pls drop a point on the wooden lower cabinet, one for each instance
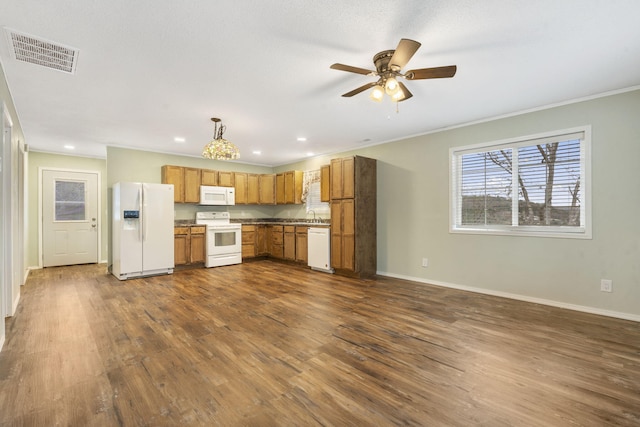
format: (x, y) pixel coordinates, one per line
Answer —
(262, 241)
(189, 244)
(343, 234)
(198, 244)
(181, 245)
(276, 242)
(289, 242)
(301, 244)
(248, 241)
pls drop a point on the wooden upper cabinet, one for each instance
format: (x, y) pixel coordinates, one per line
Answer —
(174, 175)
(293, 187)
(253, 189)
(208, 177)
(342, 178)
(191, 185)
(335, 179)
(267, 189)
(240, 180)
(226, 179)
(325, 183)
(348, 178)
(280, 189)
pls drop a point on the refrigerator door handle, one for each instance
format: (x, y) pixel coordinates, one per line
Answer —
(141, 221)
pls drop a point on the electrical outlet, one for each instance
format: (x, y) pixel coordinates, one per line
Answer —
(606, 285)
(425, 262)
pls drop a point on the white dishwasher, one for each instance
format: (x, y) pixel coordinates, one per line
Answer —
(319, 249)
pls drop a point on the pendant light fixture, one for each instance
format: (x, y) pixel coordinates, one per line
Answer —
(219, 148)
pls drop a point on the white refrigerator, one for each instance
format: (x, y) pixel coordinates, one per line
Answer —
(142, 230)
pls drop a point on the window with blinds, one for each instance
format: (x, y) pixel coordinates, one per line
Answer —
(313, 200)
(528, 186)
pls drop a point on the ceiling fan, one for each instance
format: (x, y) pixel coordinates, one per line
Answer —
(389, 65)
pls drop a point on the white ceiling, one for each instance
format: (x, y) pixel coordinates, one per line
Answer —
(149, 70)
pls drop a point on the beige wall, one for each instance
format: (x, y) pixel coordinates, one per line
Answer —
(413, 210)
(39, 160)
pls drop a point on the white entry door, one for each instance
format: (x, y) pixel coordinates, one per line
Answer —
(69, 217)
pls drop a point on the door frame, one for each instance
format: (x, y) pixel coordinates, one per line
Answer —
(41, 169)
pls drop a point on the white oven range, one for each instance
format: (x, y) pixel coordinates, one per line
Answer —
(224, 239)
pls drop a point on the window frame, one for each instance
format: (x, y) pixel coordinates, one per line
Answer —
(317, 206)
(571, 232)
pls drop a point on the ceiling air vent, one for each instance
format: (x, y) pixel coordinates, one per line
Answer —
(38, 51)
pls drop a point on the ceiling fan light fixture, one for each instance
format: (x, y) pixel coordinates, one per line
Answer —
(391, 86)
(377, 93)
(398, 96)
(219, 148)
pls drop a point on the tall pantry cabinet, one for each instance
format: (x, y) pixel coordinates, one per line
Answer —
(353, 216)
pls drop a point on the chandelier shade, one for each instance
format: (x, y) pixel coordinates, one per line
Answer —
(219, 148)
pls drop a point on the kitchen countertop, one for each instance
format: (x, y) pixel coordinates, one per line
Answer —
(264, 221)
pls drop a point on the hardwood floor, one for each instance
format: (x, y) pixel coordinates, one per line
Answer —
(262, 344)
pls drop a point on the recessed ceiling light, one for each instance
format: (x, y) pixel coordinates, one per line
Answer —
(302, 139)
(69, 147)
(257, 152)
(179, 139)
(309, 154)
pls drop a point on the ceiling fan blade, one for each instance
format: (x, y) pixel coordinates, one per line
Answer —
(351, 69)
(405, 92)
(360, 89)
(405, 50)
(431, 73)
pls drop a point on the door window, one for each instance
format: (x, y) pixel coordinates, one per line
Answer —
(70, 204)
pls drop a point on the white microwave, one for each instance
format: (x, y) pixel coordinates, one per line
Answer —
(217, 196)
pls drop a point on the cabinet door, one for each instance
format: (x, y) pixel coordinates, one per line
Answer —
(253, 189)
(225, 179)
(301, 244)
(335, 179)
(241, 187)
(348, 234)
(191, 185)
(174, 175)
(280, 200)
(342, 178)
(293, 187)
(197, 246)
(289, 240)
(289, 187)
(325, 183)
(348, 178)
(248, 241)
(336, 234)
(181, 245)
(277, 239)
(261, 240)
(208, 177)
(267, 185)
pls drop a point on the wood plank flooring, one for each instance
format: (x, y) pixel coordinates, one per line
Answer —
(263, 344)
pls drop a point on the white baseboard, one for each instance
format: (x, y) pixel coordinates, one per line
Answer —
(582, 308)
(15, 303)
